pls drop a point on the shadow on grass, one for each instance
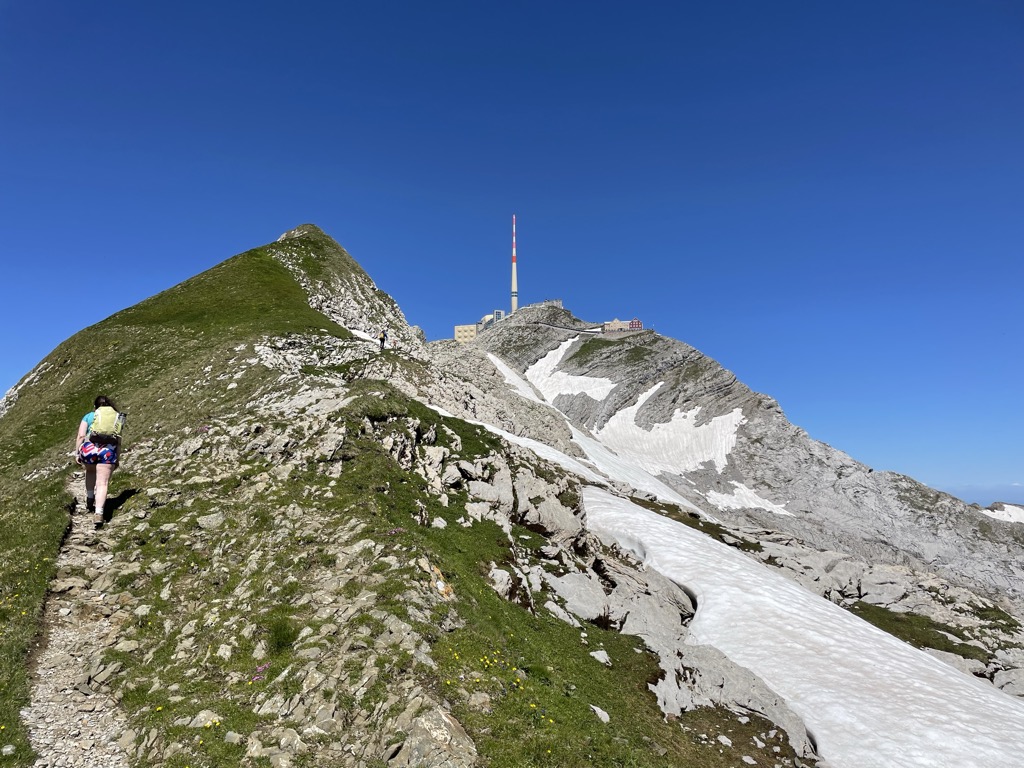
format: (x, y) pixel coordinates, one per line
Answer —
(116, 502)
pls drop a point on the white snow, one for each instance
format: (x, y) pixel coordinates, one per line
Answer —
(1009, 513)
(870, 700)
(552, 383)
(675, 446)
(744, 498)
(625, 469)
(514, 380)
(362, 334)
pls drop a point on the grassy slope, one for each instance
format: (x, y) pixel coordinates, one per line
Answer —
(143, 357)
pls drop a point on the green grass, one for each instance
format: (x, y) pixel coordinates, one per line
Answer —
(32, 526)
(147, 358)
(592, 348)
(634, 349)
(917, 630)
(996, 616)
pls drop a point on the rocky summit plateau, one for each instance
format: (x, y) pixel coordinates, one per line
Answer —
(546, 547)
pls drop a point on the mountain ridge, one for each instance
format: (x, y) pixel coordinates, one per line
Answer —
(261, 408)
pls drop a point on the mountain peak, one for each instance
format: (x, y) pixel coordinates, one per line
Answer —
(301, 231)
(337, 286)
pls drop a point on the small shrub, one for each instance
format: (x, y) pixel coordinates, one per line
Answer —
(282, 633)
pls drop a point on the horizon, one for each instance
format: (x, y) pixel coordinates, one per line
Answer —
(824, 200)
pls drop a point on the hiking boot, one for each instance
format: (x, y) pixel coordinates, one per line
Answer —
(98, 520)
(90, 505)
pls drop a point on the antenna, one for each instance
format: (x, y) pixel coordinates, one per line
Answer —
(515, 281)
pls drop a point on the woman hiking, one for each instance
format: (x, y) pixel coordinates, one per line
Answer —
(96, 449)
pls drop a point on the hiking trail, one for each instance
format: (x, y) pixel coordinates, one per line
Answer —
(73, 720)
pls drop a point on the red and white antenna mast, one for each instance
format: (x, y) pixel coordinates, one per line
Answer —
(515, 281)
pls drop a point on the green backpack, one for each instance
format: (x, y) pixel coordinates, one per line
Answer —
(107, 425)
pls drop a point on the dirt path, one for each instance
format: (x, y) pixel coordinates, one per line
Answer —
(73, 719)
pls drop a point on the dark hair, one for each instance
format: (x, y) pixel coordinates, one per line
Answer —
(102, 400)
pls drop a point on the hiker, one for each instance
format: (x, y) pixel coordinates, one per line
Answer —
(383, 337)
(96, 449)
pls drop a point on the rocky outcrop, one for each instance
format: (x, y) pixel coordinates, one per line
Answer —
(466, 383)
(339, 288)
(437, 739)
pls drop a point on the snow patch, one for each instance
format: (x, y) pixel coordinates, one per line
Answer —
(676, 446)
(514, 380)
(552, 383)
(625, 469)
(1007, 512)
(870, 700)
(744, 498)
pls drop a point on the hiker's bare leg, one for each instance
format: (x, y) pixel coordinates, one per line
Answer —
(90, 480)
(103, 473)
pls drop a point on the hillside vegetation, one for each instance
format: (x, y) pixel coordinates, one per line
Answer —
(148, 358)
(288, 584)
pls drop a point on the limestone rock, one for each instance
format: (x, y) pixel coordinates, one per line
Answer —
(203, 719)
(435, 740)
(967, 666)
(1010, 681)
(210, 522)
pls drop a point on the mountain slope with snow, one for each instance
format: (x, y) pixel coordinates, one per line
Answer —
(731, 452)
(866, 698)
(544, 547)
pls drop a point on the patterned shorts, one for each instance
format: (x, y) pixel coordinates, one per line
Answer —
(90, 453)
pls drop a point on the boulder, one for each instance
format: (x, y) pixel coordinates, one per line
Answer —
(582, 593)
(1010, 681)
(967, 666)
(435, 740)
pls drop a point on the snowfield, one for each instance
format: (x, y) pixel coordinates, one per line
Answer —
(744, 498)
(675, 446)
(1009, 513)
(868, 699)
(552, 383)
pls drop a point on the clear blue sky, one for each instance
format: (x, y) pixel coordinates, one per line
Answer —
(827, 198)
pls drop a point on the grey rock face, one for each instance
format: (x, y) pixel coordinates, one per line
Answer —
(834, 502)
(435, 740)
(1011, 681)
(467, 384)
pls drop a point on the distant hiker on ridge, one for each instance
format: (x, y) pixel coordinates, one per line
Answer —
(96, 448)
(383, 337)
